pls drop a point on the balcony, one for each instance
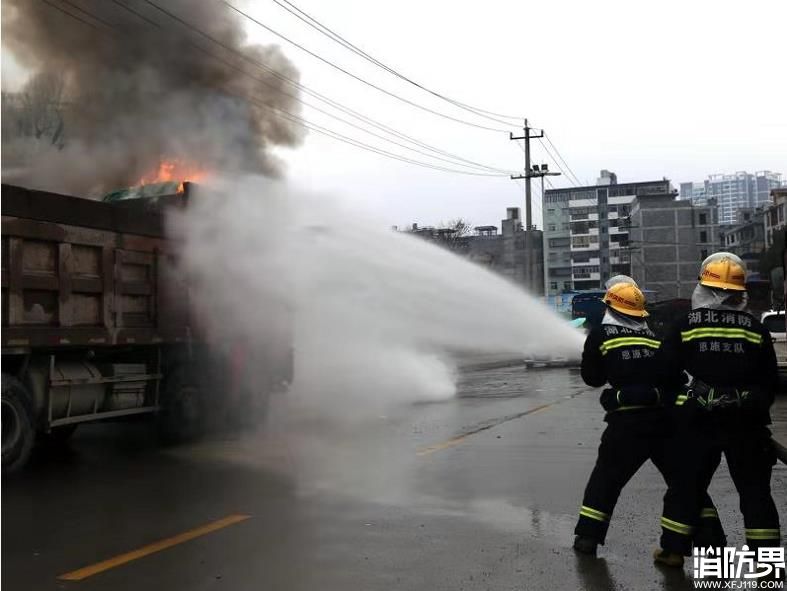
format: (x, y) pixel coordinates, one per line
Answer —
(582, 275)
(584, 247)
(583, 202)
(591, 261)
(584, 227)
(621, 199)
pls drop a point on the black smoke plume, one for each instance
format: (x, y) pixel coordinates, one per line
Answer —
(119, 86)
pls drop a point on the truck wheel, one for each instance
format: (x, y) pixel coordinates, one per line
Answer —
(182, 414)
(18, 434)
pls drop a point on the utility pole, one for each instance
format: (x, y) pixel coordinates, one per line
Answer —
(529, 174)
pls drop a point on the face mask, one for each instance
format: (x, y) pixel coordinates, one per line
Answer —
(624, 321)
(716, 299)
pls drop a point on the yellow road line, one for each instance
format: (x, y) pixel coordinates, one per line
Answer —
(425, 451)
(99, 567)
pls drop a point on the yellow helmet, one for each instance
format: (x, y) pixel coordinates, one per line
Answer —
(724, 272)
(627, 299)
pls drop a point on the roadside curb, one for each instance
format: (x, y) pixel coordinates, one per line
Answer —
(517, 363)
(493, 365)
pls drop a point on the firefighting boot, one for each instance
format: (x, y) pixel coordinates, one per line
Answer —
(585, 545)
(667, 558)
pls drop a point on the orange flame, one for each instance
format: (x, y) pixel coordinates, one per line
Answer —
(174, 170)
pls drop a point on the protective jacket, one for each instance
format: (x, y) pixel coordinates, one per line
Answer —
(730, 356)
(723, 411)
(626, 359)
(638, 402)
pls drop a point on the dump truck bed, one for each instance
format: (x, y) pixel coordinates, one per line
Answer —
(82, 272)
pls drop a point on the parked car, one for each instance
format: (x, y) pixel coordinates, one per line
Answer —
(774, 322)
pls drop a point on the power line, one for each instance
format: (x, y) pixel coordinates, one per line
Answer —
(73, 16)
(337, 38)
(294, 118)
(328, 132)
(359, 144)
(350, 74)
(570, 178)
(568, 172)
(545, 177)
(462, 161)
(336, 135)
(313, 126)
(547, 138)
(138, 14)
(88, 14)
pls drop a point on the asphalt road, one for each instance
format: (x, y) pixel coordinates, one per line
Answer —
(477, 492)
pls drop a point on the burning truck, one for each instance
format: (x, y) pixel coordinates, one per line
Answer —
(98, 323)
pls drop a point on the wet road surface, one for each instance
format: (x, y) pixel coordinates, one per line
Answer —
(477, 492)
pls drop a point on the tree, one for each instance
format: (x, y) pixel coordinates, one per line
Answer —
(42, 97)
(453, 234)
(460, 226)
(36, 111)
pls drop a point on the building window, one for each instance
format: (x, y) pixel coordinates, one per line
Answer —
(703, 219)
(550, 227)
(553, 285)
(580, 228)
(566, 286)
(550, 211)
(704, 254)
(703, 236)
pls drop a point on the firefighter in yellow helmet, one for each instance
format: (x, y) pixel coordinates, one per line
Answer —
(621, 352)
(724, 409)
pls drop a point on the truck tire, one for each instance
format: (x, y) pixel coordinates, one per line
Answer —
(183, 411)
(18, 433)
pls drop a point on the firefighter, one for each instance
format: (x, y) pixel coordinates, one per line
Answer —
(724, 409)
(622, 352)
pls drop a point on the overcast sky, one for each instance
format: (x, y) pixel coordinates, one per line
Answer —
(676, 89)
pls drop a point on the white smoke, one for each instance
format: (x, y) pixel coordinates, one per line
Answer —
(376, 314)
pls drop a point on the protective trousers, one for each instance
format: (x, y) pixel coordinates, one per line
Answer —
(750, 459)
(625, 447)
